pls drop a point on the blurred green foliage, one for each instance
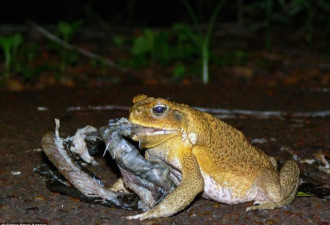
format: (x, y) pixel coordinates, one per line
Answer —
(305, 15)
(162, 47)
(9, 46)
(179, 71)
(65, 31)
(183, 47)
(187, 43)
(202, 38)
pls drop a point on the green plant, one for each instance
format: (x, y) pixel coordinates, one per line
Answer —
(203, 39)
(179, 71)
(145, 44)
(303, 194)
(152, 44)
(308, 14)
(186, 46)
(9, 47)
(30, 51)
(240, 57)
(65, 31)
(164, 46)
(156, 46)
(118, 41)
(314, 12)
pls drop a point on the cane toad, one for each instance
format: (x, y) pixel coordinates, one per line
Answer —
(206, 155)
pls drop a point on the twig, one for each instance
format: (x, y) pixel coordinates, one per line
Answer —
(98, 108)
(224, 113)
(256, 114)
(81, 51)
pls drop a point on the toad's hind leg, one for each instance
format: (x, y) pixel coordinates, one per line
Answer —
(278, 190)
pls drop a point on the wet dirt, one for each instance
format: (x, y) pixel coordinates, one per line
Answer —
(24, 196)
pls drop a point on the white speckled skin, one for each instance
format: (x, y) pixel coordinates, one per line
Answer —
(216, 192)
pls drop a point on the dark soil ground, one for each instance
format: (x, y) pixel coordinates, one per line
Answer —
(24, 197)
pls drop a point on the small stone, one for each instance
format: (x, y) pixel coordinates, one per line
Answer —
(15, 85)
(16, 173)
(39, 198)
(4, 207)
(42, 108)
(32, 210)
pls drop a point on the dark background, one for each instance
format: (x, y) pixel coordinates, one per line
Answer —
(153, 13)
(129, 12)
(268, 43)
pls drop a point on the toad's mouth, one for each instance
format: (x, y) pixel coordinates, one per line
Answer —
(147, 135)
(140, 130)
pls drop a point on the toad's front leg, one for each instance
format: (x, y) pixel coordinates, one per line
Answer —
(191, 185)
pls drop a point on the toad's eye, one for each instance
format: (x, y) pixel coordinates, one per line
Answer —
(159, 109)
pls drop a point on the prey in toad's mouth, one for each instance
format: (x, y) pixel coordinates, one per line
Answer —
(150, 181)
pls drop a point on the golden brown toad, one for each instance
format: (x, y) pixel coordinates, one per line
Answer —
(208, 156)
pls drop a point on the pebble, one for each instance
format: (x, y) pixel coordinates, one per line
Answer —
(42, 108)
(16, 173)
(39, 198)
(32, 209)
(4, 207)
